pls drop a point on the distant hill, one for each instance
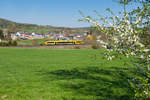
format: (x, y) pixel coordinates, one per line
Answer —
(7, 24)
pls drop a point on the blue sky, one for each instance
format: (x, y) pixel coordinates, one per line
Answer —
(54, 12)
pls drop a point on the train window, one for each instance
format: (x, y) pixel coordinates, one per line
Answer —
(50, 42)
(64, 42)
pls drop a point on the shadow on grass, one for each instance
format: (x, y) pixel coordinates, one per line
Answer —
(101, 84)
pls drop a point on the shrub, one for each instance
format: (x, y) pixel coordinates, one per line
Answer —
(9, 43)
(95, 46)
(3, 43)
(14, 43)
(77, 47)
(41, 44)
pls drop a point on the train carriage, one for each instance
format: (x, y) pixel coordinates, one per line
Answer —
(71, 42)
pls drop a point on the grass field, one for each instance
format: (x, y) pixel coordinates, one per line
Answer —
(44, 74)
(35, 42)
(37, 30)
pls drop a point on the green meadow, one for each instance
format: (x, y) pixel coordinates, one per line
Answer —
(35, 42)
(49, 74)
(37, 30)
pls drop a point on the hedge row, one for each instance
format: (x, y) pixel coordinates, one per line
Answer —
(9, 43)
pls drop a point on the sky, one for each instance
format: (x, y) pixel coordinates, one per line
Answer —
(58, 13)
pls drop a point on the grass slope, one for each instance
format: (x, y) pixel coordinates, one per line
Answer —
(44, 74)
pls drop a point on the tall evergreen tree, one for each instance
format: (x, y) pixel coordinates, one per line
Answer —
(1, 34)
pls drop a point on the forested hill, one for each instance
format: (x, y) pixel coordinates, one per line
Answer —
(7, 24)
(4, 23)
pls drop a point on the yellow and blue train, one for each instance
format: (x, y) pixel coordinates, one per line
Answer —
(63, 42)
